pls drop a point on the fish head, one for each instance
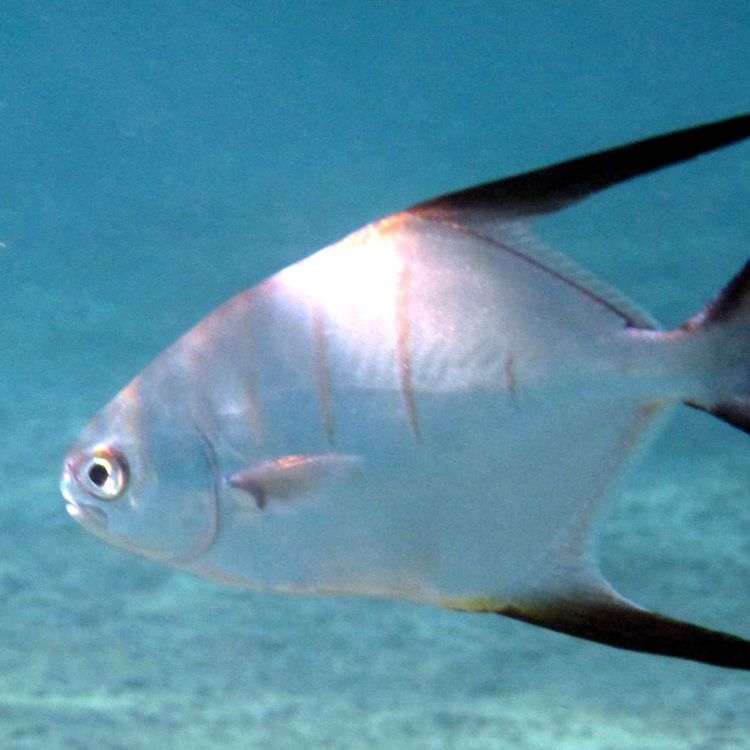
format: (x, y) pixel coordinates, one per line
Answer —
(144, 480)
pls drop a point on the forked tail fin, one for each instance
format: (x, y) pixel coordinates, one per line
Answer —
(725, 326)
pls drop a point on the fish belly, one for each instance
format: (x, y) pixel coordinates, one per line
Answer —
(472, 508)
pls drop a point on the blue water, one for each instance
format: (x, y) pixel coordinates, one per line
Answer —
(158, 157)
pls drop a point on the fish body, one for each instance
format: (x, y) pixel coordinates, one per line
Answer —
(438, 403)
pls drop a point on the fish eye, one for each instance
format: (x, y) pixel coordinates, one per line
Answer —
(105, 474)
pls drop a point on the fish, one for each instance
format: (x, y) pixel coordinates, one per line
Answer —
(433, 408)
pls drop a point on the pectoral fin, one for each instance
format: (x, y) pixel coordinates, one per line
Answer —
(288, 478)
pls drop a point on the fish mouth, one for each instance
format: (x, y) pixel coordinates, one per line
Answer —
(86, 514)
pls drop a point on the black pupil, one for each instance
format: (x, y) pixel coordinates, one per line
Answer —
(98, 474)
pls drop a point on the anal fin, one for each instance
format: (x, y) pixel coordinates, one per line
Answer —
(608, 618)
(571, 596)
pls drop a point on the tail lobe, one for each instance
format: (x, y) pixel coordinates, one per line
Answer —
(726, 321)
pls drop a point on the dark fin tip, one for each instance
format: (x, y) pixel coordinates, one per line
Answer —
(557, 186)
(252, 488)
(731, 307)
(735, 412)
(732, 299)
(260, 498)
(619, 624)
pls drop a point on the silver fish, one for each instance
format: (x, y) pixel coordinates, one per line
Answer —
(432, 409)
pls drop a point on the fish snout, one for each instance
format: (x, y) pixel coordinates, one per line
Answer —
(67, 482)
(85, 513)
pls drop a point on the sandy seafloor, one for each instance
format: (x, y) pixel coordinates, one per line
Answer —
(157, 158)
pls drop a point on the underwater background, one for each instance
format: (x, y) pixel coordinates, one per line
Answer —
(158, 157)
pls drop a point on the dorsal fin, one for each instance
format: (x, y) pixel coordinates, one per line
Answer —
(559, 185)
(515, 237)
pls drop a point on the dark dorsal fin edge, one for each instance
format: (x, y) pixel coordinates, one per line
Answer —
(559, 185)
